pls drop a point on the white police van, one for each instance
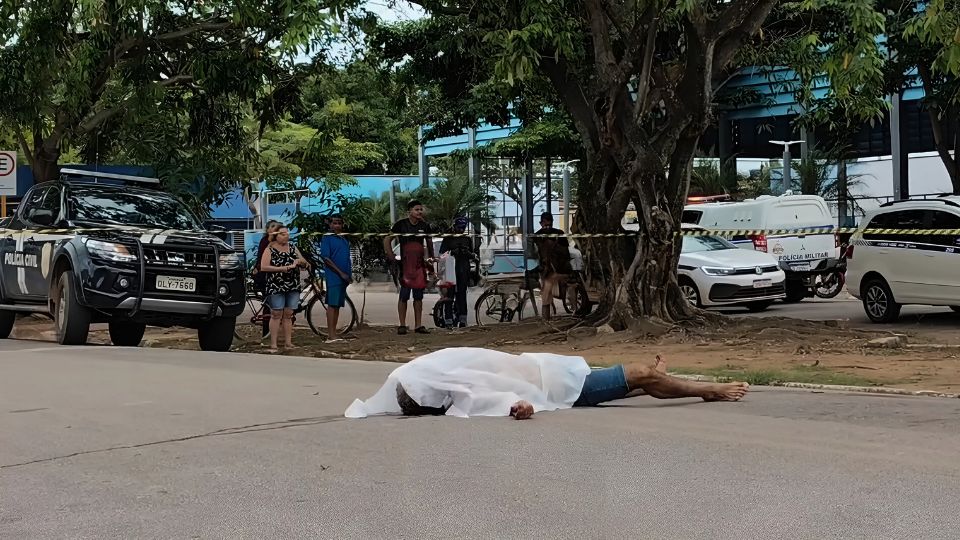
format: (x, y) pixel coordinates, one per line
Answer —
(802, 257)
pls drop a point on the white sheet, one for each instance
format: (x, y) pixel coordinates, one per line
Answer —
(480, 382)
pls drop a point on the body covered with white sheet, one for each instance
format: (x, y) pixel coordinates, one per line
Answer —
(480, 382)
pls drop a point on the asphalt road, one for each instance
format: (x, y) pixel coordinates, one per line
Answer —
(144, 443)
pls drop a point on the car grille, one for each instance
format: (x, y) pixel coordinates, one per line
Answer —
(178, 258)
(179, 261)
(722, 292)
(753, 270)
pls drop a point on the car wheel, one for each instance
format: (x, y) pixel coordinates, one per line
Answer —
(126, 333)
(689, 291)
(7, 318)
(72, 320)
(878, 302)
(217, 334)
(756, 307)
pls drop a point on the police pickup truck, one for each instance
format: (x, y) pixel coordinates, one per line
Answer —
(95, 247)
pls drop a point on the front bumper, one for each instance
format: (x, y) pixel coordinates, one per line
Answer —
(824, 266)
(732, 293)
(101, 288)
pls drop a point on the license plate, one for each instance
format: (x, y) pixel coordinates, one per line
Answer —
(762, 283)
(171, 283)
(801, 267)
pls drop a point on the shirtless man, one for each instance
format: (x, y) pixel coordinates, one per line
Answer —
(480, 382)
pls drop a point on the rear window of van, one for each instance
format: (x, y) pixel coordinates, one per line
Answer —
(691, 216)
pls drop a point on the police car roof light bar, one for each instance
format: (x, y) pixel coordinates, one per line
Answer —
(109, 176)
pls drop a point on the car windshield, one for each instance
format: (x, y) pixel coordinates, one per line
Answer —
(694, 244)
(129, 207)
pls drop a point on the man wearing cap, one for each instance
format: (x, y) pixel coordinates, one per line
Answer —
(460, 248)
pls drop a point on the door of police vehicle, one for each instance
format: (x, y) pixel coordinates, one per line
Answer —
(25, 277)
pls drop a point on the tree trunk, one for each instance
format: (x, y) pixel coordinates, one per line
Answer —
(45, 163)
(636, 273)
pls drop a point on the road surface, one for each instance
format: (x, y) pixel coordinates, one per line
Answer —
(143, 443)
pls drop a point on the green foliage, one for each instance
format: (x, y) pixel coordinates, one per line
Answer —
(78, 74)
(362, 103)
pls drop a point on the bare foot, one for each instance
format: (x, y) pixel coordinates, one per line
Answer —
(660, 366)
(726, 392)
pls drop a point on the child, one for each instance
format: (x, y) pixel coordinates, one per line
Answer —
(460, 248)
(335, 252)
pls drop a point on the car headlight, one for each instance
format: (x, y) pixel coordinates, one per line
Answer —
(716, 271)
(231, 260)
(110, 251)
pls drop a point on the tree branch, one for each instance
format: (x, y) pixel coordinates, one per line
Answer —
(643, 85)
(22, 141)
(738, 23)
(103, 115)
(606, 63)
(439, 8)
(190, 30)
(937, 114)
(571, 92)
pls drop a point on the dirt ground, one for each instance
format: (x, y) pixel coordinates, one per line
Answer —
(753, 349)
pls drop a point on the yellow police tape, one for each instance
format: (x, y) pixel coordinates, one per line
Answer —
(686, 232)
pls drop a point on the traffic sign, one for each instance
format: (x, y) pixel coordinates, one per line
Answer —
(8, 173)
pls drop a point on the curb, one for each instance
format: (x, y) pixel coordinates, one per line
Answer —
(835, 387)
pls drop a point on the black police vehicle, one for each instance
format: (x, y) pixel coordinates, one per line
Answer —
(99, 247)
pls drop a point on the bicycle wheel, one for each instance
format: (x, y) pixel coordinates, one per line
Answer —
(317, 315)
(493, 307)
(258, 329)
(438, 320)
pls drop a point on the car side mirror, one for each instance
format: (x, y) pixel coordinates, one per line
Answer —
(42, 217)
(216, 228)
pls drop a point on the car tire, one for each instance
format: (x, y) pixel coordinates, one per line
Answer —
(878, 301)
(7, 318)
(126, 333)
(762, 305)
(217, 334)
(689, 291)
(796, 292)
(71, 320)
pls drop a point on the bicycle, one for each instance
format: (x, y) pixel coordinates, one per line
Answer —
(495, 306)
(313, 300)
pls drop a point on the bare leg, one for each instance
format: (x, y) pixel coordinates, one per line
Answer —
(546, 297)
(333, 314)
(287, 328)
(275, 320)
(402, 312)
(418, 313)
(662, 386)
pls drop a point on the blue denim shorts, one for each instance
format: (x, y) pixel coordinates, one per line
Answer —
(336, 295)
(603, 385)
(288, 300)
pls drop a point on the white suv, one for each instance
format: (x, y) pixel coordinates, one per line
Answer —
(888, 269)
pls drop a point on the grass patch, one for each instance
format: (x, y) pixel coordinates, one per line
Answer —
(765, 377)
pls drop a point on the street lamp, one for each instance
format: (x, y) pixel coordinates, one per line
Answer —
(786, 161)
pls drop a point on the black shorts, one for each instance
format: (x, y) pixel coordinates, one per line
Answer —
(405, 294)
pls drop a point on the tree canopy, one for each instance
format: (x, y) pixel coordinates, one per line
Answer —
(75, 73)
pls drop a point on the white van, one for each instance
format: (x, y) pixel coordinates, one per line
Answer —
(801, 256)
